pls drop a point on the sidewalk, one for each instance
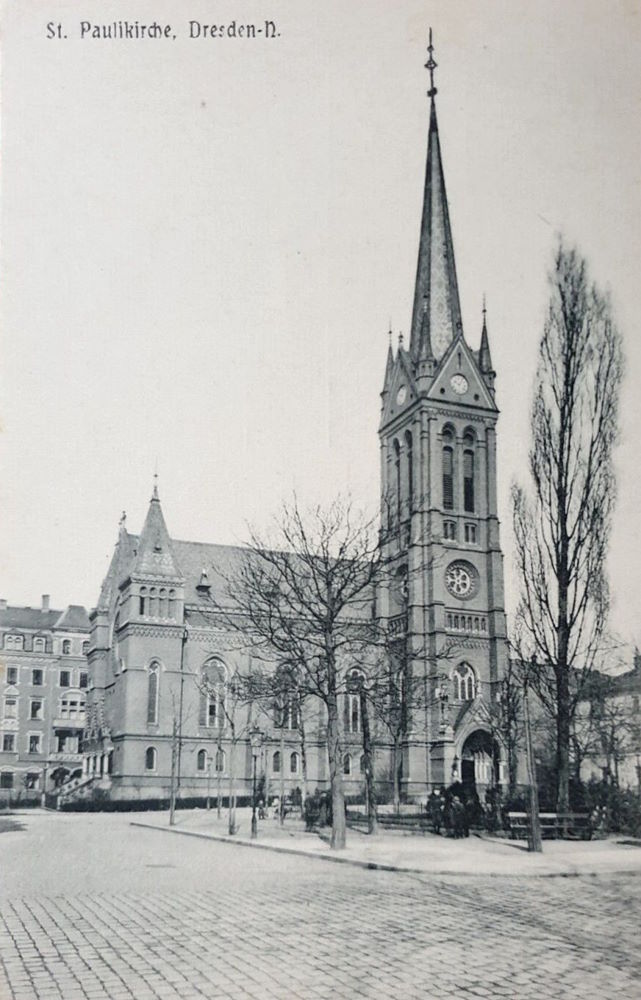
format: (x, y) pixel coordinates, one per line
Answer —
(398, 851)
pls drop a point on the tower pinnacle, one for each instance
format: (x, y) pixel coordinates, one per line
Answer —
(431, 65)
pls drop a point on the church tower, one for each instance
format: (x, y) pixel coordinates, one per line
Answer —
(443, 599)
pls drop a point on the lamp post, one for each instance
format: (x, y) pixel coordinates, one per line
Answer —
(256, 741)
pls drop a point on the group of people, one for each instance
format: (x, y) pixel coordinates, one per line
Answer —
(456, 809)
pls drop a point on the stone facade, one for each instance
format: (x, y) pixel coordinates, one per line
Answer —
(43, 681)
(156, 634)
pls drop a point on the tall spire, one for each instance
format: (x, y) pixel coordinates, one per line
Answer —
(436, 271)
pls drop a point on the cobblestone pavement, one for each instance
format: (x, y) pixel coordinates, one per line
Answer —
(167, 917)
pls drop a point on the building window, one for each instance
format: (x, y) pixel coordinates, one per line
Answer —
(293, 763)
(35, 743)
(85, 647)
(347, 764)
(71, 707)
(37, 678)
(464, 683)
(361, 764)
(162, 603)
(32, 780)
(39, 644)
(14, 642)
(220, 760)
(468, 474)
(201, 760)
(212, 695)
(172, 604)
(352, 712)
(6, 779)
(36, 710)
(82, 683)
(66, 647)
(276, 762)
(152, 602)
(65, 678)
(142, 601)
(397, 480)
(8, 742)
(152, 694)
(448, 470)
(150, 759)
(12, 675)
(449, 530)
(10, 708)
(470, 533)
(410, 472)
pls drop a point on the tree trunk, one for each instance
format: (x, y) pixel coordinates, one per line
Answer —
(231, 826)
(172, 785)
(563, 741)
(303, 760)
(281, 818)
(396, 773)
(372, 821)
(335, 774)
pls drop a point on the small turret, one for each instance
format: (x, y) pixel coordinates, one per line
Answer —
(485, 358)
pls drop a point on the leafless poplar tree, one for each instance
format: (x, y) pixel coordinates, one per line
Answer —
(562, 527)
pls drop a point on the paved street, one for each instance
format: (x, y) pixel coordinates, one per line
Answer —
(93, 908)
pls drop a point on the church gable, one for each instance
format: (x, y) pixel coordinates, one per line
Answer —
(401, 388)
(458, 380)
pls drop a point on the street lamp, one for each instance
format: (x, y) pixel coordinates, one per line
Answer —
(255, 741)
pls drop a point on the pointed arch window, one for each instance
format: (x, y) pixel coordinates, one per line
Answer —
(201, 760)
(352, 704)
(397, 480)
(220, 760)
(153, 691)
(464, 683)
(276, 762)
(151, 758)
(347, 764)
(468, 473)
(410, 471)
(448, 469)
(212, 694)
(293, 763)
(142, 601)
(153, 602)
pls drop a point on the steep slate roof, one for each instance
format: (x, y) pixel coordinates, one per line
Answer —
(437, 311)
(74, 618)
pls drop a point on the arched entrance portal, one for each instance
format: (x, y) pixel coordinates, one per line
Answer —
(480, 759)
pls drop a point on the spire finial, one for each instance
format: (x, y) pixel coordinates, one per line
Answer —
(154, 495)
(400, 340)
(431, 65)
(484, 308)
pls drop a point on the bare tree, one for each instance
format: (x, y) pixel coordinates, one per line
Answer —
(562, 528)
(303, 596)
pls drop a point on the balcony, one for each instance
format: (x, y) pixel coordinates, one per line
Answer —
(398, 626)
(65, 757)
(77, 722)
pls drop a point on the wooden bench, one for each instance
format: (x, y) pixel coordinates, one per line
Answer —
(576, 825)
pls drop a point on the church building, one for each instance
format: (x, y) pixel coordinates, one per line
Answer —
(160, 659)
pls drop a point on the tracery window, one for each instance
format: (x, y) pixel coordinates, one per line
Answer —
(153, 677)
(464, 683)
(212, 694)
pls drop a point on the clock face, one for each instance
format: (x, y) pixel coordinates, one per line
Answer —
(461, 579)
(401, 395)
(459, 384)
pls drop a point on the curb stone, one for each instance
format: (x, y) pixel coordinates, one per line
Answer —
(380, 866)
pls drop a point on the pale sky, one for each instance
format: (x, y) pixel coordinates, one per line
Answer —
(204, 241)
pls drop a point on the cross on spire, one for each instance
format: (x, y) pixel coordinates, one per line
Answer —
(431, 65)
